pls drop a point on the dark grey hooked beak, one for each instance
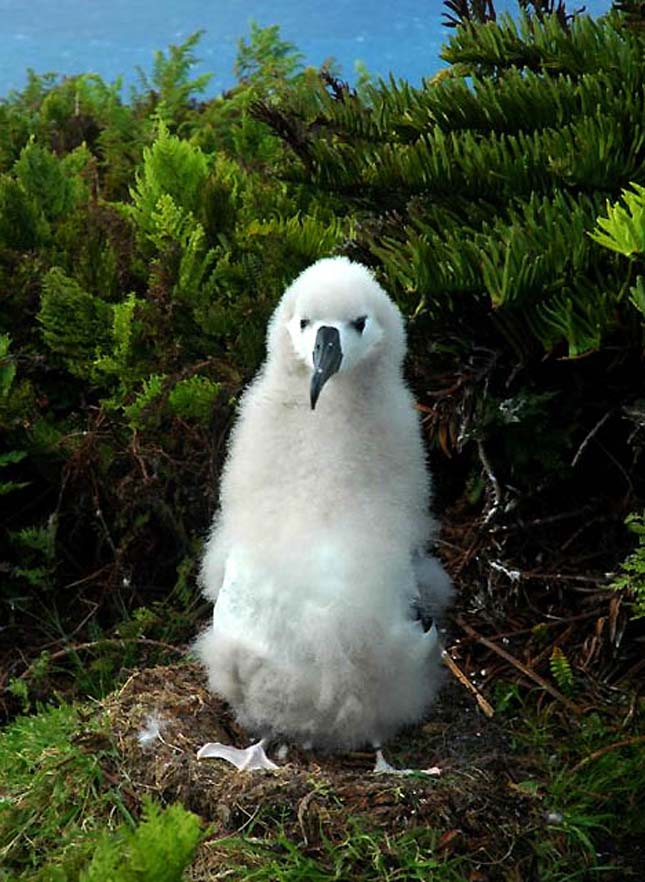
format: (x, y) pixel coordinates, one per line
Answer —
(327, 358)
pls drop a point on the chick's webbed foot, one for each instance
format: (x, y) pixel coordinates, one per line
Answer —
(382, 767)
(248, 759)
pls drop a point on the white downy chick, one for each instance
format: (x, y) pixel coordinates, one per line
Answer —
(317, 562)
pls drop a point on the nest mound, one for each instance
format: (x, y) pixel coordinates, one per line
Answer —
(475, 804)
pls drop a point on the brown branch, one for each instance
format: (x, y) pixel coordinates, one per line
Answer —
(452, 666)
(528, 672)
(107, 641)
(539, 522)
(626, 742)
(518, 632)
(566, 577)
(601, 422)
(498, 494)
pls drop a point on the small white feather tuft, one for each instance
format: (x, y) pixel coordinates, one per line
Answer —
(151, 731)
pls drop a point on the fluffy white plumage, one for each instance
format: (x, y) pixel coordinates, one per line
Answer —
(317, 560)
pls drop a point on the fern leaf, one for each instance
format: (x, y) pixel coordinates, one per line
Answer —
(561, 670)
(623, 228)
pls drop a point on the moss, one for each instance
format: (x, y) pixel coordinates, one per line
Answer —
(56, 790)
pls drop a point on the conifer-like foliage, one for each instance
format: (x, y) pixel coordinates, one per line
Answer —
(476, 197)
(490, 177)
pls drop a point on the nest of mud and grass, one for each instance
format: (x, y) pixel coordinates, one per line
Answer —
(162, 715)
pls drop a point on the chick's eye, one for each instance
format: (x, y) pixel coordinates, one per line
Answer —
(303, 324)
(359, 323)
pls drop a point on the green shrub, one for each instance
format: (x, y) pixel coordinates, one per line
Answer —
(158, 850)
(632, 578)
(474, 196)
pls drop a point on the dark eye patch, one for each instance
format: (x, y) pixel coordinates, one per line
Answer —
(359, 323)
(303, 324)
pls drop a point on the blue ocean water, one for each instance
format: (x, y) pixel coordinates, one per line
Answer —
(113, 37)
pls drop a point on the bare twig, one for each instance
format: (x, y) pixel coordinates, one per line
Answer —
(601, 422)
(619, 466)
(89, 578)
(107, 641)
(528, 672)
(490, 474)
(625, 742)
(568, 577)
(452, 666)
(538, 522)
(538, 625)
(466, 557)
(599, 519)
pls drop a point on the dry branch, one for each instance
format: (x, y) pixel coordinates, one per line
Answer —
(463, 679)
(528, 672)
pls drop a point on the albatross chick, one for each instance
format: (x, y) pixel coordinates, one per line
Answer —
(317, 563)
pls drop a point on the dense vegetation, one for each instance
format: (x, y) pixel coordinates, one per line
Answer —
(143, 244)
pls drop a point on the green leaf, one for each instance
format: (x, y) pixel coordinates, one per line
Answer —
(623, 229)
(561, 670)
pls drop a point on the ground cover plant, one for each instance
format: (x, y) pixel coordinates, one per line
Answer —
(143, 244)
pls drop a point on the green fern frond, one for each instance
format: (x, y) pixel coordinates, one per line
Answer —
(75, 324)
(41, 540)
(6, 459)
(158, 850)
(171, 167)
(561, 670)
(172, 227)
(623, 228)
(637, 295)
(54, 185)
(114, 360)
(11, 456)
(136, 412)
(171, 79)
(264, 57)
(22, 226)
(193, 398)
(633, 567)
(7, 366)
